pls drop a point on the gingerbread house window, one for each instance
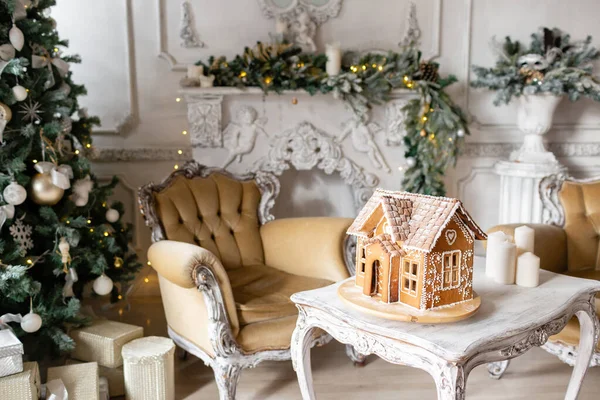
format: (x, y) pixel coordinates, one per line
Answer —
(410, 275)
(362, 261)
(451, 269)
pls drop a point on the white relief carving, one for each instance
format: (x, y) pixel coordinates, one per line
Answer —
(450, 236)
(362, 135)
(239, 137)
(412, 33)
(303, 31)
(187, 33)
(395, 118)
(305, 147)
(204, 116)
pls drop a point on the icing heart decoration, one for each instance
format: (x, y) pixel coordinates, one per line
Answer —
(450, 236)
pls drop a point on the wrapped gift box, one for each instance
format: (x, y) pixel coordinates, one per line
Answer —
(81, 380)
(102, 342)
(149, 369)
(11, 353)
(114, 376)
(22, 386)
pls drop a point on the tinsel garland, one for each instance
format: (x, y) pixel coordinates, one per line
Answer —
(435, 125)
(552, 63)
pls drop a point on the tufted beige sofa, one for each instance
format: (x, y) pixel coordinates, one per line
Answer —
(227, 270)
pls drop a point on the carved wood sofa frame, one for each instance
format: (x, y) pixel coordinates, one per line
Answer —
(229, 359)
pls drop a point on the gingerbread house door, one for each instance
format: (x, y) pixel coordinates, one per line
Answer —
(377, 278)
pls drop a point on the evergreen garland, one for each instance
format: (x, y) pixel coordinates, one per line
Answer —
(552, 63)
(435, 125)
(95, 243)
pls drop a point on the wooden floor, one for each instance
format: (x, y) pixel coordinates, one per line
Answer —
(536, 375)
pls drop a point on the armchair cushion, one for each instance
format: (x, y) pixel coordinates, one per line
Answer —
(307, 246)
(550, 244)
(262, 293)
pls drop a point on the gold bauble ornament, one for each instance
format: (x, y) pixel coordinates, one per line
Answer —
(43, 191)
(118, 262)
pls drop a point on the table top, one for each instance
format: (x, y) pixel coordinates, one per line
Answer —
(506, 310)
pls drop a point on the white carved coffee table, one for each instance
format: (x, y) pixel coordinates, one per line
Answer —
(510, 321)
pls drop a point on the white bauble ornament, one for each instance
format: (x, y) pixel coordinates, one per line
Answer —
(7, 52)
(31, 322)
(411, 162)
(103, 285)
(16, 38)
(460, 133)
(19, 92)
(14, 194)
(81, 191)
(112, 215)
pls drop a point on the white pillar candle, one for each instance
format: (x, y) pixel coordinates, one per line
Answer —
(525, 238)
(504, 270)
(195, 71)
(528, 270)
(281, 26)
(334, 59)
(493, 240)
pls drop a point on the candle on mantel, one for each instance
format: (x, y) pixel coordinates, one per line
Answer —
(528, 270)
(493, 240)
(281, 26)
(195, 71)
(525, 238)
(504, 268)
(334, 59)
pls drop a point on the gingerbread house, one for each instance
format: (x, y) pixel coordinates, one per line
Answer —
(415, 249)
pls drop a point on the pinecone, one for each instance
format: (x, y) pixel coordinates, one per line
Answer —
(429, 71)
(531, 75)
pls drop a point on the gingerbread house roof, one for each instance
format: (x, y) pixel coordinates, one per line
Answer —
(388, 244)
(416, 220)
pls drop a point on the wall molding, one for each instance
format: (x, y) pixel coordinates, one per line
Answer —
(131, 118)
(163, 49)
(141, 154)
(503, 150)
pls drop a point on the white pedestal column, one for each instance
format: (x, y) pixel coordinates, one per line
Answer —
(519, 190)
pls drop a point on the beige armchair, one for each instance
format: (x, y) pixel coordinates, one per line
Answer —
(568, 243)
(227, 270)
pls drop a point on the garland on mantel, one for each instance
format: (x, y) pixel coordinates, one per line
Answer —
(435, 125)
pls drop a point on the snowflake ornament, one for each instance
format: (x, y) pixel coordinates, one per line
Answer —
(21, 234)
(31, 111)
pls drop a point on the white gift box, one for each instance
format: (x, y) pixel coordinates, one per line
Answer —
(11, 353)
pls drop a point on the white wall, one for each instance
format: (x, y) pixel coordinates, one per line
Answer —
(133, 90)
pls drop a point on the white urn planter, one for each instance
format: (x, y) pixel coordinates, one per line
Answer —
(534, 119)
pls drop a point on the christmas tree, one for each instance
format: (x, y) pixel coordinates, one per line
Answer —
(58, 230)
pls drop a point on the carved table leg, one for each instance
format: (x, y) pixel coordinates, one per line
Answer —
(358, 359)
(301, 344)
(497, 369)
(451, 382)
(227, 377)
(588, 338)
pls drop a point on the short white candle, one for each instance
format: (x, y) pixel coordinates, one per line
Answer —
(528, 270)
(525, 238)
(504, 270)
(195, 71)
(334, 59)
(491, 259)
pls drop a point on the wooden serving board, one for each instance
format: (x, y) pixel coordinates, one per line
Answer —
(353, 296)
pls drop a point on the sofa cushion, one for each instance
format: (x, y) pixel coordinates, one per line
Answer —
(262, 293)
(274, 334)
(582, 223)
(217, 213)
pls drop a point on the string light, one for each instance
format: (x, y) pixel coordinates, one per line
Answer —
(380, 68)
(68, 222)
(424, 118)
(120, 311)
(431, 136)
(176, 166)
(119, 297)
(178, 99)
(89, 221)
(450, 139)
(243, 74)
(179, 152)
(56, 49)
(88, 145)
(405, 78)
(184, 132)
(34, 161)
(374, 65)
(364, 67)
(431, 110)
(146, 280)
(76, 151)
(29, 261)
(104, 204)
(409, 85)
(91, 230)
(149, 263)
(105, 233)
(268, 80)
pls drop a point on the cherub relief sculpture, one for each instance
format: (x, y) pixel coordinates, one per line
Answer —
(240, 136)
(361, 133)
(304, 29)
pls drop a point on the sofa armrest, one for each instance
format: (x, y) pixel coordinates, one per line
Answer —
(187, 266)
(550, 244)
(311, 247)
